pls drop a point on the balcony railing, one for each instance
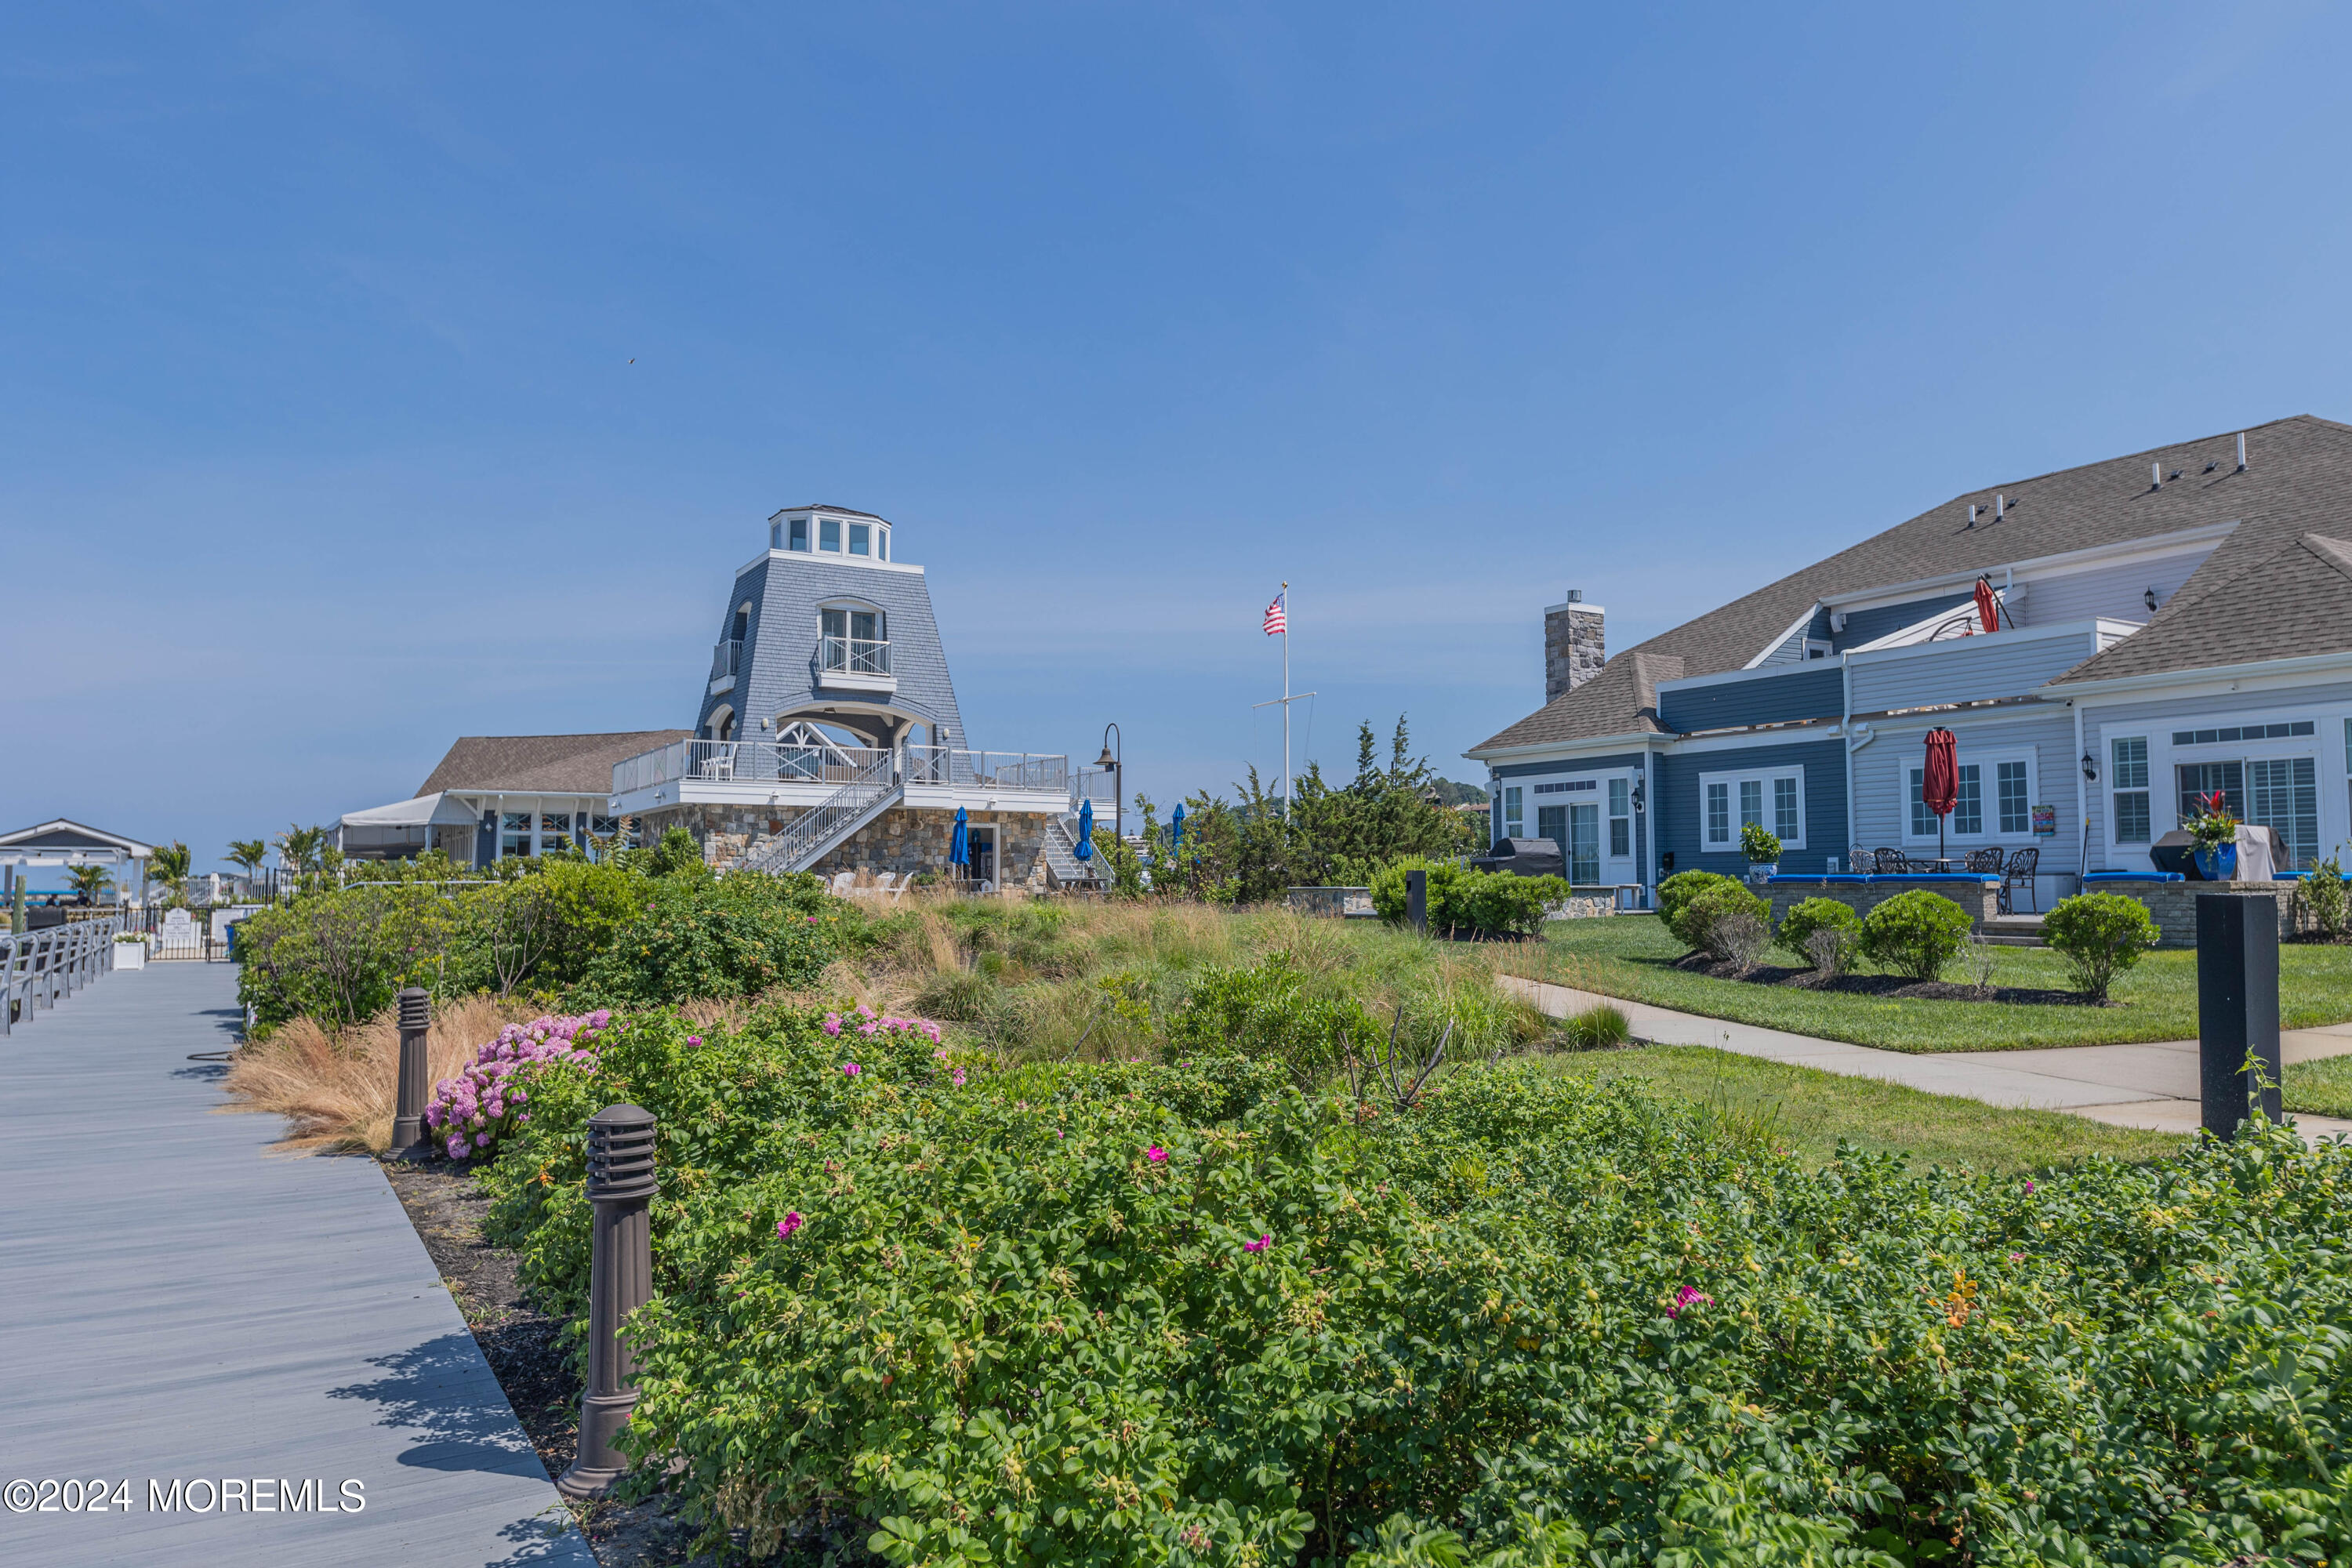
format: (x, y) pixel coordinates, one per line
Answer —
(853, 655)
(767, 762)
(726, 659)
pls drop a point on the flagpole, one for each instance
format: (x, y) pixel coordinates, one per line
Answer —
(1285, 698)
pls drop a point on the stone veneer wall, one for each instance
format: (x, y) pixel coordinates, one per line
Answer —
(904, 839)
(1981, 901)
(2174, 904)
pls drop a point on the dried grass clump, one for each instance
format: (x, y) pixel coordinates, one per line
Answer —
(339, 1090)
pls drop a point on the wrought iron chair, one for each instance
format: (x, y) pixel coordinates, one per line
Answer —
(1891, 862)
(1982, 862)
(1862, 861)
(2019, 869)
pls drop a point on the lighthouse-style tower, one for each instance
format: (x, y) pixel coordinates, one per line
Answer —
(825, 631)
(826, 736)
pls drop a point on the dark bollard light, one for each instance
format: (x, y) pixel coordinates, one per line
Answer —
(620, 1280)
(408, 1115)
(2237, 1008)
(1416, 900)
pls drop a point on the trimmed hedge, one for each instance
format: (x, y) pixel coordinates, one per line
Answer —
(1916, 935)
(2100, 935)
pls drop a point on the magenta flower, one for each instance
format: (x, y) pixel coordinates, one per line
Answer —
(694, 1039)
(1260, 1245)
(851, 1069)
(789, 1224)
(1156, 1154)
(1690, 1296)
(832, 1023)
(2028, 1186)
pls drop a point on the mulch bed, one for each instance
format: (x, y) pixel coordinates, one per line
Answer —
(1892, 987)
(524, 1350)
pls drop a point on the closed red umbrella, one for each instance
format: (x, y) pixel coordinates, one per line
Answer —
(1940, 789)
(1987, 607)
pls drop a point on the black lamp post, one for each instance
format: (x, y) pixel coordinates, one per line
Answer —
(1113, 761)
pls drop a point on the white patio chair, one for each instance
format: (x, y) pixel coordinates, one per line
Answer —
(841, 882)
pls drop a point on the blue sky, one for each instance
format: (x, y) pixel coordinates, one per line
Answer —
(324, 444)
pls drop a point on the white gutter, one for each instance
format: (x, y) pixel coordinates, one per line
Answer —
(1596, 742)
(2303, 663)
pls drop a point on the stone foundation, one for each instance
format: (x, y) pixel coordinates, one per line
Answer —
(905, 840)
(2174, 904)
(1981, 900)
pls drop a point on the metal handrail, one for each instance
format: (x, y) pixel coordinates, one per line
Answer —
(853, 655)
(988, 770)
(812, 828)
(37, 967)
(763, 760)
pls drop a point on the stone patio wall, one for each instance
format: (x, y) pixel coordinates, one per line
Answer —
(1981, 900)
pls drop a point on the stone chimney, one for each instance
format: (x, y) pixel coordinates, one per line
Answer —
(1575, 646)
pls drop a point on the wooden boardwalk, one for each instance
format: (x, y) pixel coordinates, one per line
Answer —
(180, 1304)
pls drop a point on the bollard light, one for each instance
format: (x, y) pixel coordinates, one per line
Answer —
(620, 1280)
(408, 1117)
(1416, 900)
(2237, 1008)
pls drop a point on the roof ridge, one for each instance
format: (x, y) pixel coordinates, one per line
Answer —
(2334, 551)
(2149, 451)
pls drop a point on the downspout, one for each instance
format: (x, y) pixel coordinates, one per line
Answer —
(1845, 732)
(2082, 798)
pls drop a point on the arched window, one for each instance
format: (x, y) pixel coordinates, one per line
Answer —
(723, 723)
(857, 639)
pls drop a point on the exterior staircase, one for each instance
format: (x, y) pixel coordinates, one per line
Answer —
(818, 831)
(2014, 930)
(1062, 866)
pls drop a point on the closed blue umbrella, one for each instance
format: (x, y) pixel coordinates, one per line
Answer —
(959, 843)
(1176, 830)
(1085, 846)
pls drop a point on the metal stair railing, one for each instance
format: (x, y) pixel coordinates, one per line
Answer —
(1061, 852)
(817, 830)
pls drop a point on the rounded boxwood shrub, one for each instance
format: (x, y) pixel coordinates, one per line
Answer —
(2100, 935)
(1799, 924)
(1676, 893)
(1916, 934)
(1727, 922)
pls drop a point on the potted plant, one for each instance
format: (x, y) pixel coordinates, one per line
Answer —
(129, 951)
(1762, 849)
(2216, 833)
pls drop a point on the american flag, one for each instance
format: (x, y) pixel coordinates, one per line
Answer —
(1276, 623)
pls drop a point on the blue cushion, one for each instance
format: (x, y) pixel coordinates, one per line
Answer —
(2135, 876)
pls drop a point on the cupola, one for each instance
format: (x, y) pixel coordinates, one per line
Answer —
(829, 531)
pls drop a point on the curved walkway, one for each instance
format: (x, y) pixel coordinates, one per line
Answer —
(2152, 1086)
(184, 1306)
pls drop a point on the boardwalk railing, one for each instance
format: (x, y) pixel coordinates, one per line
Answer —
(39, 966)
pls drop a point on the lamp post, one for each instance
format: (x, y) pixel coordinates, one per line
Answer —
(1113, 761)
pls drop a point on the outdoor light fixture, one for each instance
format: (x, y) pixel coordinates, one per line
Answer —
(1638, 794)
(2090, 767)
(1111, 760)
(2148, 599)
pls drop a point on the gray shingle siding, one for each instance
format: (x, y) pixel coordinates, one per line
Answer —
(778, 670)
(1679, 815)
(1774, 698)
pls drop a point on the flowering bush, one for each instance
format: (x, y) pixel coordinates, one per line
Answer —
(471, 1112)
(989, 1325)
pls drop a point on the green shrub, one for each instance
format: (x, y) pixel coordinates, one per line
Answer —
(1449, 891)
(1265, 1013)
(676, 855)
(1729, 922)
(1597, 1028)
(2324, 897)
(735, 935)
(1303, 1331)
(1502, 904)
(1494, 904)
(1758, 842)
(2100, 935)
(1798, 926)
(1676, 893)
(1917, 933)
(340, 955)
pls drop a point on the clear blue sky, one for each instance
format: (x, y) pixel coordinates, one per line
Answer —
(323, 445)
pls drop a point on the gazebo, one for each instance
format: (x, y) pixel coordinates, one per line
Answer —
(63, 842)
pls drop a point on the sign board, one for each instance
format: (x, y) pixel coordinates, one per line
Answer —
(178, 927)
(2045, 822)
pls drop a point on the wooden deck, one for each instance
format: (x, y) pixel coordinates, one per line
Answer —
(181, 1304)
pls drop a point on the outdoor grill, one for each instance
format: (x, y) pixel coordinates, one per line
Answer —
(1523, 857)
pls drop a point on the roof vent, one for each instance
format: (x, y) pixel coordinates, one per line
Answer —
(2155, 476)
(2242, 451)
(2209, 466)
(2000, 506)
(1972, 514)
(1576, 595)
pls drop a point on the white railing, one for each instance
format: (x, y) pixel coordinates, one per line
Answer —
(768, 761)
(39, 966)
(807, 836)
(988, 770)
(853, 655)
(725, 657)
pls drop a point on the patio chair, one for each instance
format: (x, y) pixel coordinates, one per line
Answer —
(841, 882)
(1862, 861)
(2019, 869)
(1983, 862)
(1890, 862)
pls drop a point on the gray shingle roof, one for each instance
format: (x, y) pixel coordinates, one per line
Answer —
(557, 764)
(2297, 481)
(2294, 600)
(837, 511)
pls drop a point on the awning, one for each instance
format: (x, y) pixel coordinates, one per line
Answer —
(442, 810)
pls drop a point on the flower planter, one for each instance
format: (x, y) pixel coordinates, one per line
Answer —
(2219, 864)
(129, 955)
(1762, 870)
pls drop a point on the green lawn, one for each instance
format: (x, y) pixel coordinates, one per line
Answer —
(1631, 956)
(1808, 1111)
(2322, 1088)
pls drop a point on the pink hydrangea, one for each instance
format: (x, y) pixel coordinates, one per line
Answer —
(485, 1099)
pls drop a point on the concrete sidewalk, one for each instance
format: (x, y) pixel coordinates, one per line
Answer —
(2152, 1086)
(181, 1305)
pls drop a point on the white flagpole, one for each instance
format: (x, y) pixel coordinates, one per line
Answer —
(1285, 698)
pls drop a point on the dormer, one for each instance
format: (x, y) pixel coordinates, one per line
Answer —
(831, 532)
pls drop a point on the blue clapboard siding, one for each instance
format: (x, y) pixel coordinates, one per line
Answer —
(1969, 669)
(1679, 817)
(1570, 767)
(1767, 697)
(1868, 625)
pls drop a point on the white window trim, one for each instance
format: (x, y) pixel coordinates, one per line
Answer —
(1989, 783)
(1735, 779)
(2157, 813)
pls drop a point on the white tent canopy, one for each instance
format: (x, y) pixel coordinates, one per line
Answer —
(405, 825)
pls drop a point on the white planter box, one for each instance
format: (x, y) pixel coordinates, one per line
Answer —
(129, 955)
